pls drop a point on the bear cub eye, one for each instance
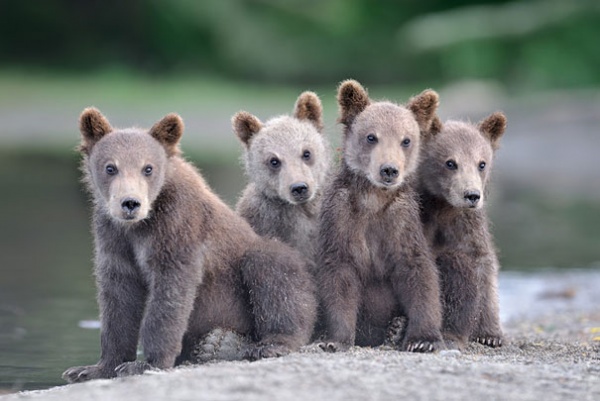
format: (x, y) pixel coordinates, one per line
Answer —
(274, 162)
(148, 170)
(481, 166)
(451, 164)
(405, 143)
(111, 169)
(306, 155)
(371, 139)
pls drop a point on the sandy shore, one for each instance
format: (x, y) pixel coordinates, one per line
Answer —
(551, 320)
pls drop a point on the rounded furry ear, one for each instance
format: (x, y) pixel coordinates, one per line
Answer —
(352, 99)
(168, 132)
(434, 129)
(424, 106)
(93, 126)
(309, 107)
(245, 126)
(493, 127)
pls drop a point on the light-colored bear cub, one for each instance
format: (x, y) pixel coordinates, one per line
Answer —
(287, 162)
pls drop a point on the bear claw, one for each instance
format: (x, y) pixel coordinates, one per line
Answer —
(421, 346)
(491, 341)
(266, 351)
(133, 368)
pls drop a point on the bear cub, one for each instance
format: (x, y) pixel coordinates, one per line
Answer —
(375, 261)
(453, 176)
(286, 161)
(173, 262)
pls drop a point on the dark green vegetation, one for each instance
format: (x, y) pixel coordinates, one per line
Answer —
(524, 44)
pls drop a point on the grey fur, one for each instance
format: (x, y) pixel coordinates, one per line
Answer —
(268, 203)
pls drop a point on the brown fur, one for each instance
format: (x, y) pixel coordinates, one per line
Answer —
(457, 226)
(173, 262)
(375, 262)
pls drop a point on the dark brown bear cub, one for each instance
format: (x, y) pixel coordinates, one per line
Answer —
(375, 261)
(453, 174)
(173, 262)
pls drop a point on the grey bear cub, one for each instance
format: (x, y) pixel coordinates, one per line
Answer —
(375, 262)
(287, 162)
(453, 177)
(173, 262)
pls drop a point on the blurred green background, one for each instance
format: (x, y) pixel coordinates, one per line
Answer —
(539, 61)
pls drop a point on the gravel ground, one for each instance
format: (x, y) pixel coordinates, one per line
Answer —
(551, 320)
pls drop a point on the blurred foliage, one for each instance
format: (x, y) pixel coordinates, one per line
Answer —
(527, 44)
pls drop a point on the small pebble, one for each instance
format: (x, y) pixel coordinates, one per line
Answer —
(450, 353)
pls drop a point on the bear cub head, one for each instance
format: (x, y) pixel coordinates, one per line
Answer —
(457, 159)
(125, 169)
(286, 158)
(381, 139)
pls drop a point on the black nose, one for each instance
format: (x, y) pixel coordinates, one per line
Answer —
(299, 190)
(388, 172)
(472, 197)
(130, 205)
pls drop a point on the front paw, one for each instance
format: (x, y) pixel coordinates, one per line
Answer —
(266, 351)
(133, 368)
(493, 341)
(423, 345)
(333, 346)
(79, 374)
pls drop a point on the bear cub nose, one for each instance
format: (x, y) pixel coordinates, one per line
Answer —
(472, 197)
(388, 172)
(299, 190)
(130, 205)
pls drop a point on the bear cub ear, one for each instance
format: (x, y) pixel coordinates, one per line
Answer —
(309, 107)
(168, 132)
(424, 106)
(245, 126)
(93, 126)
(353, 99)
(493, 127)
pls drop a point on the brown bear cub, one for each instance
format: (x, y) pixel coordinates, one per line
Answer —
(375, 261)
(173, 262)
(453, 174)
(286, 161)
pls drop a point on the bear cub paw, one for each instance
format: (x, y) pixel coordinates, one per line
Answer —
(79, 374)
(332, 347)
(133, 368)
(423, 345)
(395, 332)
(267, 351)
(489, 340)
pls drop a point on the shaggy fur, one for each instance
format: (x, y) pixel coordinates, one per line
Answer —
(375, 262)
(173, 262)
(456, 165)
(287, 162)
